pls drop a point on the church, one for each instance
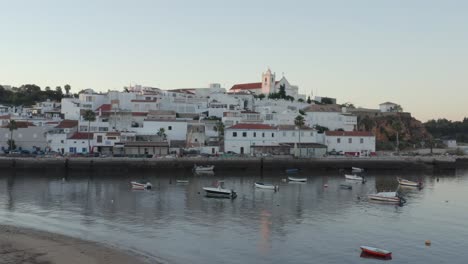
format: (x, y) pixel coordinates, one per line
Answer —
(268, 85)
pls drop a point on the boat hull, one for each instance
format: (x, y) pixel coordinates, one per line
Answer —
(353, 177)
(220, 193)
(297, 179)
(408, 183)
(347, 187)
(204, 168)
(266, 186)
(377, 252)
(384, 199)
(141, 186)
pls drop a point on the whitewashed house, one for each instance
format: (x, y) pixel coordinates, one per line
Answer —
(357, 143)
(388, 107)
(333, 117)
(241, 137)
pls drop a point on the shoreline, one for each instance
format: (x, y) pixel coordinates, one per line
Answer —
(234, 163)
(24, 245)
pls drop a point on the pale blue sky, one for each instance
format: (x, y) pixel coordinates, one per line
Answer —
(367, 52)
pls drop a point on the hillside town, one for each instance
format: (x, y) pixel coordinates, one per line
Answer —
(265, 118)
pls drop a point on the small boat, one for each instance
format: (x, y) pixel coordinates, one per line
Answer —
(354, 177)
(293, 179)
(346, 186)
(356, 169)
(391, 197)
(267, 186)
(378, 252)
(409, 183)
(219, 191)
(292, 170)
(182, 181)
(139, 185)
(203, 168)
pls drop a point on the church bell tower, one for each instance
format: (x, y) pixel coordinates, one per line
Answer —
(268, 82)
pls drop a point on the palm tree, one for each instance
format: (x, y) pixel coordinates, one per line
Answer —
(67, 89)
(299, 122)
(220, 129)
(12, 126)
(162, 133)
(89, 116)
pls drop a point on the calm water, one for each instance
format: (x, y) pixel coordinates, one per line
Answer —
(302, 223)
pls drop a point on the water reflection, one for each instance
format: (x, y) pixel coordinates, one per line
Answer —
(175, 221)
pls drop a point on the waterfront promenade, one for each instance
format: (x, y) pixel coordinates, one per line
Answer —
(239, 163)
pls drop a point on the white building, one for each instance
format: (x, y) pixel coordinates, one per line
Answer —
(241, 137)
(359, 143)
(331, 116)
(388, 107)
(174, 129)
(268, 85)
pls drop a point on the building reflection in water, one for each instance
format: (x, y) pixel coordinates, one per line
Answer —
(265, 232)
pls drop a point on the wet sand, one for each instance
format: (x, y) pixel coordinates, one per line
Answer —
(25, 246)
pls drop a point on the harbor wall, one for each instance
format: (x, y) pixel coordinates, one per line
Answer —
(132, 164)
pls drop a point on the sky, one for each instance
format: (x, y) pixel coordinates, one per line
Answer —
(363, 51)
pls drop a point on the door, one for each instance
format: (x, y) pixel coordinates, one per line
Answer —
(242, 150)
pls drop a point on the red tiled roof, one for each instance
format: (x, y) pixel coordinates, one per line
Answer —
(104, 108)
(5, 117)
(247, 86)
(143, 101)
(81, 135)
(68, 124)
(21, 124)
(251, 126)
(349, 133)
(139, 114)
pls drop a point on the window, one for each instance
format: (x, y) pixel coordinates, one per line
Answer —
(196, 140)
(244, 134)
(350, 140)
(272, 135)
(362, 141)
(61, 141)
(338, 140)
(99, 139)
(169, 128)
(83, 150)
(263, 134)
(255, 134)
(234, 134)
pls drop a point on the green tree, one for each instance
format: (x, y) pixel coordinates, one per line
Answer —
(397, 108)
(261, 96)
(299, 121)
(67, 88)
(321, 129)
(89, 116)
(47, 89)
(300, 100)
(309, 101)
(12, 126)
(282, 91)
(220, 129)
(162, 133)
(326, 100)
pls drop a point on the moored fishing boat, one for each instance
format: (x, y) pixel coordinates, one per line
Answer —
(219, 191)
(391, 197)
(266, 186)
(203, 168)
(378, 252)
(346, 186)
(408, 183)
(140, 185)
(354, 177)
(294, 179)
(356, 169)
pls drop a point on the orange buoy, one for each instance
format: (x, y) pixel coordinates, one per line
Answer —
(427, 242)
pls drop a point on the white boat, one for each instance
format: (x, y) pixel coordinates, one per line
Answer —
(182, 181)
(267, 186)
(353, 177)
(293, 179)
(356, 169)
(409, 183)
(391, 197)
(203, 168)
(141, 185)
(219, 191)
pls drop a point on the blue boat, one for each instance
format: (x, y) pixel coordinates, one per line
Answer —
(292, 170)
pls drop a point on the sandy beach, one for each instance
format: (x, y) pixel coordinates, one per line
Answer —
(25, 246)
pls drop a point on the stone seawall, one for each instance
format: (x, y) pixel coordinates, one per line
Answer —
(330, 163)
